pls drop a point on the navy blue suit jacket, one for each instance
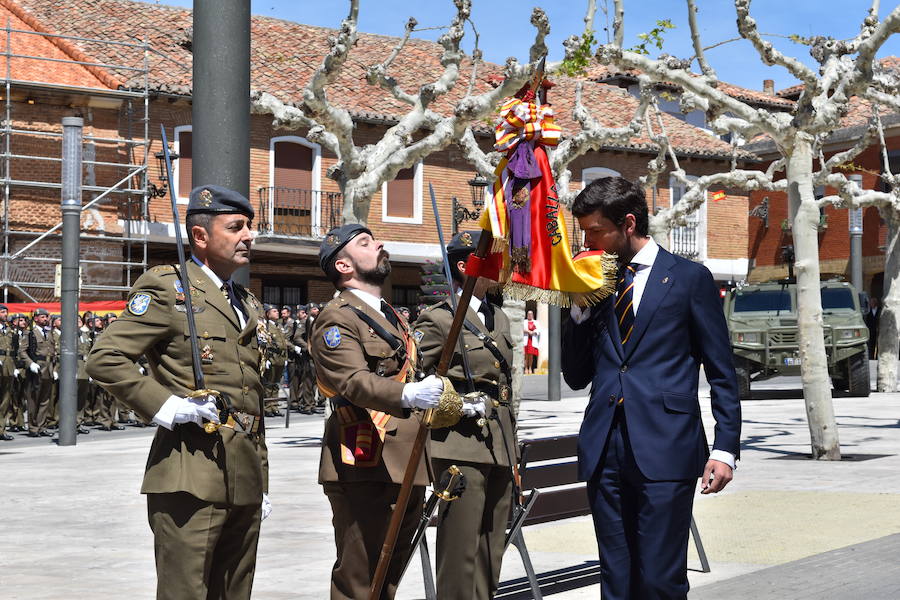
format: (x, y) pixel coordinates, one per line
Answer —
(679, 326)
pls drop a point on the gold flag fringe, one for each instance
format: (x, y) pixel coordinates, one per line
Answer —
(525, 292)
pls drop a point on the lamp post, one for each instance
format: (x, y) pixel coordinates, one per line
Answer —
(856, 232)
(461, 213)
(159, 191)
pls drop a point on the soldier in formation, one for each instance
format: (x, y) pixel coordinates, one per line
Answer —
(366, 362)
(206, 479)
(276, 358)
(472, 529)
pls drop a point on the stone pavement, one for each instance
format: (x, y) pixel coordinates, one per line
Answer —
(74, 524)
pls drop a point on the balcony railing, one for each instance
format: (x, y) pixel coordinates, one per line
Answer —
(292, 212)
(685, 241)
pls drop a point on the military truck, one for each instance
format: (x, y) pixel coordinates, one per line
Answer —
(762, 321)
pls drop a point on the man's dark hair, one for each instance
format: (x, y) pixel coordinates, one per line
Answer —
(197, 220)
(614, 197)
(455, 273)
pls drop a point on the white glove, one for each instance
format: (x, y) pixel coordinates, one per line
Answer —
(34, 367)
(473, 406)
(266, 507)
(15, 372)
(142, 370)
(422, 394)
(55, 375)
(298, 350)
(268, 364)
(90, 380)
(194, 410)
(1, 363)
(579, 315)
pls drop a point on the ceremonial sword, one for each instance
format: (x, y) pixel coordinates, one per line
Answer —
(199, 382)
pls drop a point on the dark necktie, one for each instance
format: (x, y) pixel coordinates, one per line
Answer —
(226, 289)
(389, 314)
(488, 311)
(625, 301)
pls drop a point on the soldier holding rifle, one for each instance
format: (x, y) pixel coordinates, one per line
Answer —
(472, 529)
(366, 361)
(206, 486)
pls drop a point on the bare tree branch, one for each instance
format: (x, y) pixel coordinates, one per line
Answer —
(695, 38)
(377, 74)
(476, 59)
(768, 53)
(619, 24)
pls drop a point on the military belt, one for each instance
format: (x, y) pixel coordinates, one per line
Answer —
(501, 393)
(249, 422)
(40, 357)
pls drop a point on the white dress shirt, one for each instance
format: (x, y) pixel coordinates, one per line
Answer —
(371, 301)
(474, 304)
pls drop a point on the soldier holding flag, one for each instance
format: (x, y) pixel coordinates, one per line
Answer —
(206, 486)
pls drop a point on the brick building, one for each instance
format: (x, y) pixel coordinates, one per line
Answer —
(770, 232)
(125, 89)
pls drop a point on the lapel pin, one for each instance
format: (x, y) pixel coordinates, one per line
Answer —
(665, 279)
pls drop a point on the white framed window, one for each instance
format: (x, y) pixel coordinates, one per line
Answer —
(401, 198)
(292, 203)
(182, 170)
(593, 173)
(688, 240)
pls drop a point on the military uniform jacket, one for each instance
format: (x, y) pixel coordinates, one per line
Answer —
(276, 350)
(466, 441)
(83, 344)
(223, 467)
(41, 349)
(8, 337)
(296, 336)
(356, 365)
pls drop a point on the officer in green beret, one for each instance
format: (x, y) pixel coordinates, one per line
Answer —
(206, 487)
(366, 363)
(472, 529)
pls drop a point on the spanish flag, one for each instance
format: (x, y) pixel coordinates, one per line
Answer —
(523, 214)
(720, 195)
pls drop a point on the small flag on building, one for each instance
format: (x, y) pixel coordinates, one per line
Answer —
(720, 195)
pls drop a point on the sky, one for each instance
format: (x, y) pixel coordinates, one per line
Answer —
(505, 32)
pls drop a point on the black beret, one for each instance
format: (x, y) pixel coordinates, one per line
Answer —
(313, 305)
(464, 243)
(286, 307)
(301, 307)
(218, 200)
(54, 316)
(268, 307)
(40, 311)
(4, 307)
(336, 239)
(110, 314)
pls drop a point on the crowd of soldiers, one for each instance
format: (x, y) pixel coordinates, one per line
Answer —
(29, 371)
(29, 376)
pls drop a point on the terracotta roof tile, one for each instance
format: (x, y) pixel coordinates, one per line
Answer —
(284, 55)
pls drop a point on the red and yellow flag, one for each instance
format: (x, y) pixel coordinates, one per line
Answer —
(526, 220)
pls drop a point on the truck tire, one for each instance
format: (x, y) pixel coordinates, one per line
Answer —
(742, 369)
(858, 366)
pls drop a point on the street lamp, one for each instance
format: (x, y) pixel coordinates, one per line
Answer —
(461, 213)
(160, 191)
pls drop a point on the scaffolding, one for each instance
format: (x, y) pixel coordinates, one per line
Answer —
(128, 197)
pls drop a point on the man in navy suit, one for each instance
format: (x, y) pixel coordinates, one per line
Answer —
(642, 446)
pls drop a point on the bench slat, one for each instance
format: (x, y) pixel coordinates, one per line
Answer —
(549, 448)
(555, 505)
(551, 475)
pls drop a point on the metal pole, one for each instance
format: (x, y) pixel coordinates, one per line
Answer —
(554, 352)
(221, 98)
(856, 233)
(71, 250)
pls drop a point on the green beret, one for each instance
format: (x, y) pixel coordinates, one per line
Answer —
(336, 239)
(216, 199)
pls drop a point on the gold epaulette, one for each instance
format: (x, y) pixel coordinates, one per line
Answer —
(163, 270)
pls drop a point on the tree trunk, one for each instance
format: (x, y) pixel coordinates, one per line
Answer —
(888, 340)
(814, 366)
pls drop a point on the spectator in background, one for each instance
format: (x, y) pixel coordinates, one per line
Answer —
(531, 339)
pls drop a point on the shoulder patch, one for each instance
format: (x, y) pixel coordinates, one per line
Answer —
(139, 304)
(418, 335)
(332, 337)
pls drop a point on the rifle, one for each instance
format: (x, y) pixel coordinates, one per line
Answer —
(415, 456)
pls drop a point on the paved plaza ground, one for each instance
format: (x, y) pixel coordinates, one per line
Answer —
(75, 525)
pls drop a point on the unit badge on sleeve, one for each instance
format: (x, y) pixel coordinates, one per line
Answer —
(332, 337)
(139, 304)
